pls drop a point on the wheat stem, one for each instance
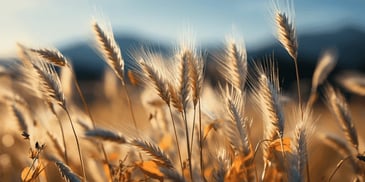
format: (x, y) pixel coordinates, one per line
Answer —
(176, 138)
(183, 116)
(339, 164)
(62, 133)
(77, 143)
(130, 107)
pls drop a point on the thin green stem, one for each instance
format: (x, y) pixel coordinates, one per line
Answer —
(77, 143)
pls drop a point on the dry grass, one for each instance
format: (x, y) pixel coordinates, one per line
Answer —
(187, 130)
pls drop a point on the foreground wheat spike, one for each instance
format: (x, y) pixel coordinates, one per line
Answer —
(234, 64)
(106, 135)
(325, 65)
(338, 106)
(299, 159)
(237, 127)
(267, 99)
(239, 137)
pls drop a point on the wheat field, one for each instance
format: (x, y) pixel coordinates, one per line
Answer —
(164, 121)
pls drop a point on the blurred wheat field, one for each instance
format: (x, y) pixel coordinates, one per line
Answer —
(162, 120)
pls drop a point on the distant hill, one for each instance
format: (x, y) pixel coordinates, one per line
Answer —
(349, 41)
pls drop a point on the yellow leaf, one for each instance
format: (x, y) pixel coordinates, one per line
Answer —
(166, 142)
(276, 144)
(151, 169)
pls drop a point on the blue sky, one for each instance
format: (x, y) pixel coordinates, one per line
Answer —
(39, 23)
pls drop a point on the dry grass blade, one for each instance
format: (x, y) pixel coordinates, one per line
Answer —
(340, 145)
(234, 64)
(19, 118)
(106, 135)
(67, 173)
(52, 56)
(353, 82)
(337, 104)
(60, 150)
(287, 34)
(110, 50)
(158, 156)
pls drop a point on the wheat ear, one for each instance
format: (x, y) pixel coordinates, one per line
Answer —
(325, 65)
(52, 55)
(237, 127)
(113, 57)
(106, 135)
(338, 106)
(299, 160)
(353, 82)
(286, 34)
(267, 98)
(67, 173)
(55, 57)
(234, 64)
(110, 50)
(158, 156)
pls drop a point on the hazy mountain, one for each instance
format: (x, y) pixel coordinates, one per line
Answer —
(348, 41)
